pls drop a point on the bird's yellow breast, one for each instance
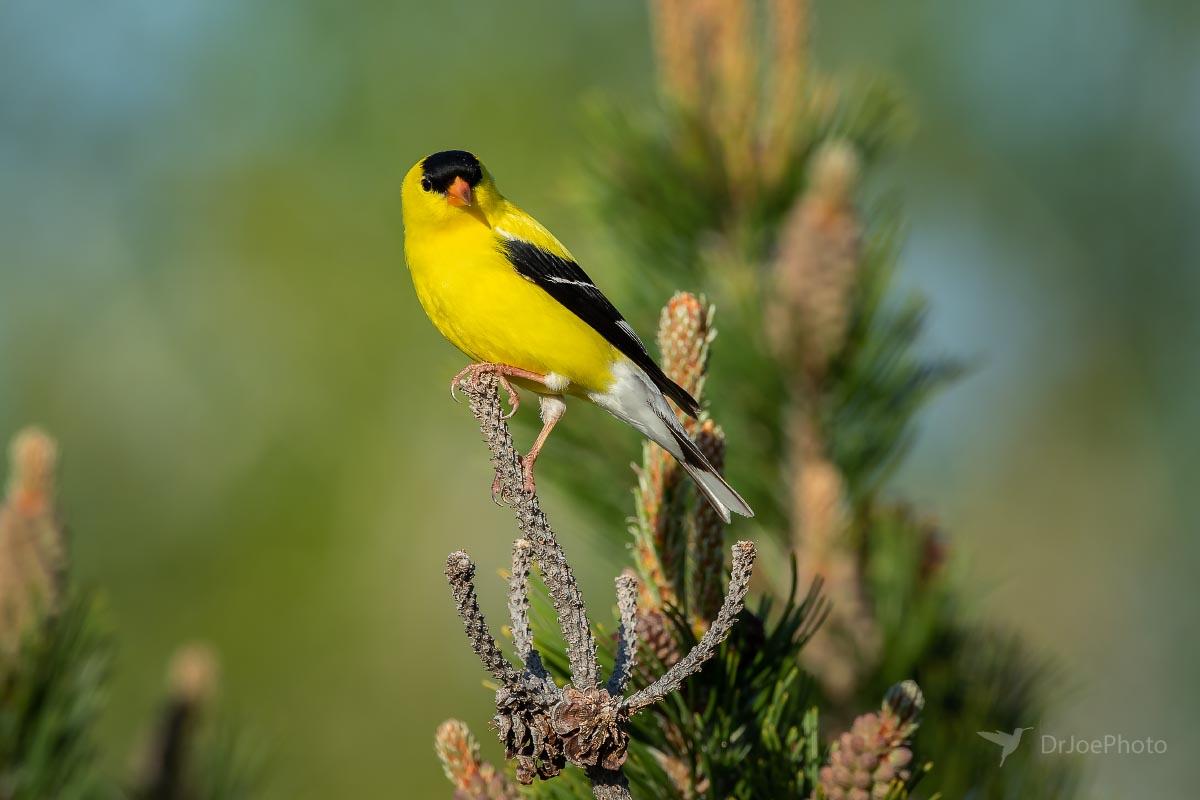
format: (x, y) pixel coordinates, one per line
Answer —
(479, 302)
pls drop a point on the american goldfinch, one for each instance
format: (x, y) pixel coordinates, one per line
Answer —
(504, 291)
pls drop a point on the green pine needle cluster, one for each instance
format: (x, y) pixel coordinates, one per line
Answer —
(55, 662)
(50, 699)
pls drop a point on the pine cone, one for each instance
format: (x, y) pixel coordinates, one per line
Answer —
(657, 639)
(523, 723)
(870, 761)
(591, 724)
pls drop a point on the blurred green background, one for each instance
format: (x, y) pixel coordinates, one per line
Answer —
(202, 294)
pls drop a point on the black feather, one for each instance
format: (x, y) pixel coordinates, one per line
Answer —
(440, 169)
(566, 282)
(691, 454)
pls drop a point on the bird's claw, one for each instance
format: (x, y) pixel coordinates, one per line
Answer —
(474, 371)
(514, 399)
(471, 370)
(528, 485)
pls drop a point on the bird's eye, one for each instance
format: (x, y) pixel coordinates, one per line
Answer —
(427, 184)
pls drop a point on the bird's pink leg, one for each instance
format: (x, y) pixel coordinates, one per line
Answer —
(503, 372)
(552, 409)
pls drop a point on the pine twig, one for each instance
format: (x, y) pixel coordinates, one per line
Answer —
(739, 582)
(627, 635)
(460, 572)
(518, 609)
(544, 726)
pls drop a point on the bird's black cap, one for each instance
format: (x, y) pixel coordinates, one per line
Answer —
(440, 169)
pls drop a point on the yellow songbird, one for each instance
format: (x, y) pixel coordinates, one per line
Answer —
(503, 290)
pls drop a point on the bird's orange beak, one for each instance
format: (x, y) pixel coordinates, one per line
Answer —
(459, 193)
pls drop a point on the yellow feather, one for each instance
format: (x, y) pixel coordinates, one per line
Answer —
(479, 302)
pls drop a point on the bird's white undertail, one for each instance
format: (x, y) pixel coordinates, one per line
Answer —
(635, 399)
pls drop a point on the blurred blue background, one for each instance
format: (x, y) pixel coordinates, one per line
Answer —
(202, 294)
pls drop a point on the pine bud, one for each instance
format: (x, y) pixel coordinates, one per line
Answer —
(660, 546)
(870, 761)
(905, 701)
(458, 751)
(709, 532)
(850, 641)
(33, 459)
(788, 68)
(733, 103)
(473, 779)
(817, 264)
(192, 674)
(676, 46)
(32, 547)
(684, 335)
(660, 542)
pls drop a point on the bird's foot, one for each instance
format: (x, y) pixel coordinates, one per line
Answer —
(528, 486)
(502, 372)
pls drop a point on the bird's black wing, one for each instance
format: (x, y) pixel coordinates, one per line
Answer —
(566, 282)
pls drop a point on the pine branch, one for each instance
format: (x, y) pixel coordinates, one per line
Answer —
(823, 392)
(532, 523)
(543, 726)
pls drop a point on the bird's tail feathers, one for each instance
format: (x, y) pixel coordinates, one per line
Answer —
(715, 488)
(635, 398)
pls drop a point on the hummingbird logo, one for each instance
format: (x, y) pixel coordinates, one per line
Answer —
(1007, 741)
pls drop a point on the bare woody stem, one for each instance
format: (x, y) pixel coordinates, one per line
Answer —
(609, 784)
(541, 725)
(518, 609)
(531, 521)
(718, 632)
(627, 638)
(460, 572)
